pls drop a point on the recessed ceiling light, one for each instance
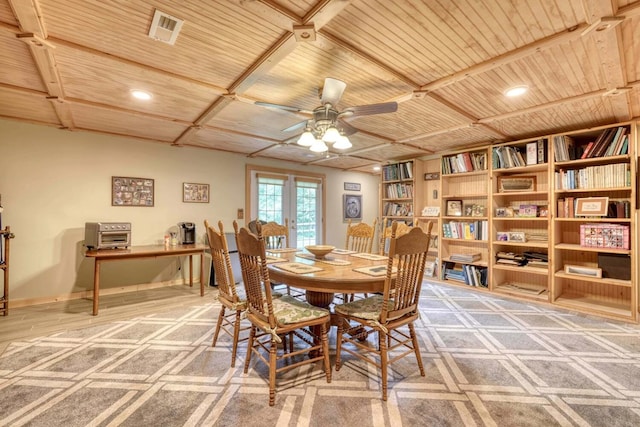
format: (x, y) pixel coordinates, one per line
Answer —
(376, 168)
(516, 90)
(140, 94)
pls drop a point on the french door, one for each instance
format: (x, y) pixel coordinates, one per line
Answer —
(292, 197)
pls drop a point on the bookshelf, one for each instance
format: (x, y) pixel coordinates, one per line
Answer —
(594, 236)
(400, 188)
(520, 199)
(464, 225)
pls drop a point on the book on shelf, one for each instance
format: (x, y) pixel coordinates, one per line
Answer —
(542, 150)
(466, 257)
(532, 153)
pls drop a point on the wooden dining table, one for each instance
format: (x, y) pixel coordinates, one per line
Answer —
(322, 285)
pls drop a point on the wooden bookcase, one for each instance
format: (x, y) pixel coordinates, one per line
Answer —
(587, 245)
(507, 184)
(464, 225)
(401, 189)
(520, 219)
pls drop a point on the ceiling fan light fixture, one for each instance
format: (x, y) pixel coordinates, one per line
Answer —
(306, 139)
(331, 135)
(319, 146)
(342, 143)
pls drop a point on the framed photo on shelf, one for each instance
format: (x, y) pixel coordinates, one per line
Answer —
(502, 236)
(454, 208)
(508, 184)
(517, 236)
(528, 211)
(592, 206)
(131, 191)
(195, 193)
(352, 207)
(543, 211)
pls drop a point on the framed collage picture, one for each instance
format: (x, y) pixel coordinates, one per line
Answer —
(195, 193)
(131, 191)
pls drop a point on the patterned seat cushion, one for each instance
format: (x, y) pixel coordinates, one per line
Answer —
(288, 310)
(366, 308)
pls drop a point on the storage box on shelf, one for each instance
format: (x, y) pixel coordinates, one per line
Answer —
(520, 220)
(464, 222)
(594, 204)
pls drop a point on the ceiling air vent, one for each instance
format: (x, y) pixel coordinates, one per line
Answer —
(164, 27)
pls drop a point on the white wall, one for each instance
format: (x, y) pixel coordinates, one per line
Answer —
(53, 181)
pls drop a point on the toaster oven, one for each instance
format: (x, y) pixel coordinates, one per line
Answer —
(104, 235)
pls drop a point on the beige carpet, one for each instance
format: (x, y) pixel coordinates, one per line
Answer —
(489, 362)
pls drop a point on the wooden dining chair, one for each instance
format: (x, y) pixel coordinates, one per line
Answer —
(385, 233)
(276, 236)
(231, 298)
(360, 238)
(386, 315)
(271, 318)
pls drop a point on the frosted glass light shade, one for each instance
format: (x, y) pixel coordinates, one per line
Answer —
(331, 135)
(319, 146)
(306, 139)
(342, 143)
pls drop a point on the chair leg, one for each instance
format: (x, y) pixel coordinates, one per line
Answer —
(218, 325)
(382, 342)
(252, 335)
(272, 371)
(416, 348)
(325, 351)
(341, 322)
(236, 337)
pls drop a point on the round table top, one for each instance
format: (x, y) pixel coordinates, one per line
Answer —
(332, 278)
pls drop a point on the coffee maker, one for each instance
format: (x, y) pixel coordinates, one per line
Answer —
(187, 233)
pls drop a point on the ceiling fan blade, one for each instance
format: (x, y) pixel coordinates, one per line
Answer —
(283, 107)
(296, 126)
(346, 128)
(367, 110)
(332, 91)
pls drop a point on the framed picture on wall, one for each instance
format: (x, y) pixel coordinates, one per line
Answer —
(195, 193)
(131, 191)
(352, 207)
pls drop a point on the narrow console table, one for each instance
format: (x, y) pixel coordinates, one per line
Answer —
(151, 251)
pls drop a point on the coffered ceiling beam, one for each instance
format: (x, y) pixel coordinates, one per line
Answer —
(506, 58)
(34, 34)
(607, 40)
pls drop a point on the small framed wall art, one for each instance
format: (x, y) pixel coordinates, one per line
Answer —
(352, 186)
(195, 193)
(131, 191)
(352, 207)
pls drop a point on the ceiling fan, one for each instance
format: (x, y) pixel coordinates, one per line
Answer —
(327, 124)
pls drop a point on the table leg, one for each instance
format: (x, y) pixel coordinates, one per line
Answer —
(201, 274)
(191, 271)
(96, 287)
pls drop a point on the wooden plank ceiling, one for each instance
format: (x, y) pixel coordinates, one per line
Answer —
(73, 63)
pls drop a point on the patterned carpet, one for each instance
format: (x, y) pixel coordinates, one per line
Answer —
(489, 362)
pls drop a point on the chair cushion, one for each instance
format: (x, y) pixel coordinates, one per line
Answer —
(366, 308)
(289, 310)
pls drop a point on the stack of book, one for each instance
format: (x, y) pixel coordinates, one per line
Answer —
(510, 258)
(466, 257)
(536, 259)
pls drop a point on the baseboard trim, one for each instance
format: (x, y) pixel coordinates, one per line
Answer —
(89, 294)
